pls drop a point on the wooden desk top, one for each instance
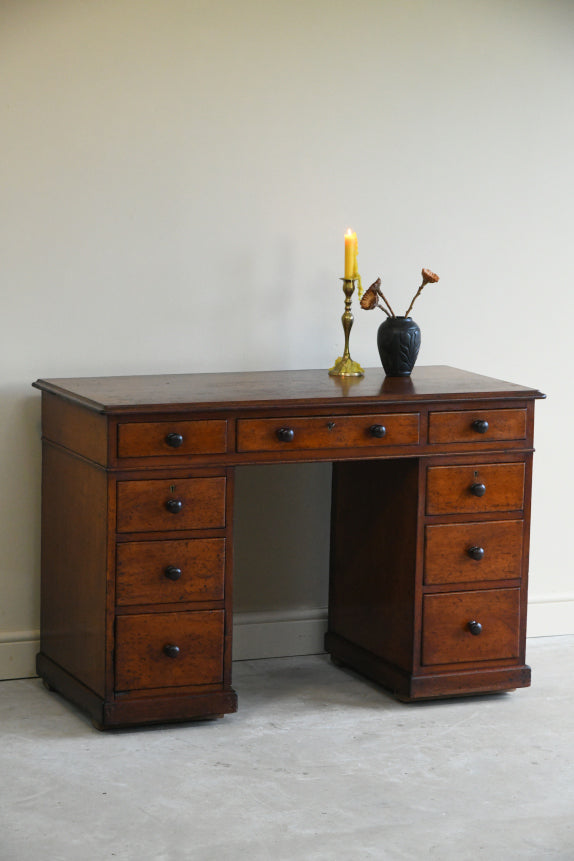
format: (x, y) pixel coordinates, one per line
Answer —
(113, 395)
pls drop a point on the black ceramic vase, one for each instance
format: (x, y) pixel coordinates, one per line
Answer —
(399, 341)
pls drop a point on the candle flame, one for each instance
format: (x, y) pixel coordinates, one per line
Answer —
(349, 232)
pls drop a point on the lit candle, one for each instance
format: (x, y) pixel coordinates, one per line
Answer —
(350, 254)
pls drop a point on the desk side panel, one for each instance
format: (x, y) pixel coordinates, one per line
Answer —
(75, 427)
(74, 557)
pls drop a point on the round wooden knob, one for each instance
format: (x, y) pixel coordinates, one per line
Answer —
(174, 506)
(172, 573)
(475, 627)
(478, 489)
(171, 651)
(476, 552)
(378, 431)
(174, 440)
(285, 434)
(480, 425)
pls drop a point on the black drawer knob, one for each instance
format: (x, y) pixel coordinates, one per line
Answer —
(174, 440)
(478, 489)
(475, 552)
(174, 506)
(480, 425)
(172, 573)
(475, 627)
(171, 651)
(285, 434)
(378, 431)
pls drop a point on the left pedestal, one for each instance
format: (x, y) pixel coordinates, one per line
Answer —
(136, 566)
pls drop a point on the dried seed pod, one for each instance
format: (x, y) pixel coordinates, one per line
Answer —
(429, 277)
(369, 299)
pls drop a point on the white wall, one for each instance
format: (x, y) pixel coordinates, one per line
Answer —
(175, 180)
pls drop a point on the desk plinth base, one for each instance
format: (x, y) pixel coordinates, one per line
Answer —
(409, 687)
(124, 712)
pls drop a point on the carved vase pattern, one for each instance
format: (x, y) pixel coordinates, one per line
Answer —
(399, 341)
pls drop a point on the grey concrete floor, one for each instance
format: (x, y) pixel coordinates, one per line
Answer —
(318, 764)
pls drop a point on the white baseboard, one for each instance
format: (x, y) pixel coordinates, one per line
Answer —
(550, 615)
(279, 633)
(273, 634)
(18, 650)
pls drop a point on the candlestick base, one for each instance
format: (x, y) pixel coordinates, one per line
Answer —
(346, 367)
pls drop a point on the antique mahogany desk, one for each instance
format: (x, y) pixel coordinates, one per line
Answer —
(429, 530)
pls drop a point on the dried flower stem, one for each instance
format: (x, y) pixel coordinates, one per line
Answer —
(387, 303)
(416, 296)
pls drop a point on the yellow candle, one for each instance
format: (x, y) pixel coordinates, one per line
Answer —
(350, 254)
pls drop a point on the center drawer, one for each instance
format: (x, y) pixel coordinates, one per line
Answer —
(156, 650)
(163, 504)
(327, 432)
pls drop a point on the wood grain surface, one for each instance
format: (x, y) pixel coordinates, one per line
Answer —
(449, 488)
(260, 388)
(447, 638)
(328, 432)
(142, 504)
(141, 571)
(141, 661)
(446, 552)
(458, 425)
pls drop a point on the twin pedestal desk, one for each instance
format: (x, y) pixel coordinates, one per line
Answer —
(429, 530)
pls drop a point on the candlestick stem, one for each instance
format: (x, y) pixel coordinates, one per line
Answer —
(345, 366)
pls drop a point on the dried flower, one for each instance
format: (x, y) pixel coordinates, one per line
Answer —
(371, 296)
(429, 277)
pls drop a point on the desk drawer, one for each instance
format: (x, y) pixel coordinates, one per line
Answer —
(463, 552)
(475, 488)
(170, 439)
(162, 504)
(165, 572)
(143, 659)
(476, 426)
(328, 432)
(447, 635)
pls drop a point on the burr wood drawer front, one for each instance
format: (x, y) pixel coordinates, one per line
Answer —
(477, 426)
(464, 552)
(482, 625)
(165, 572)
(327, 432)
(172, 439)
(159, 650)
(475, 488)
(170, 504)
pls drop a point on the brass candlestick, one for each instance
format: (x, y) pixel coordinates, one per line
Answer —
(345, 366)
